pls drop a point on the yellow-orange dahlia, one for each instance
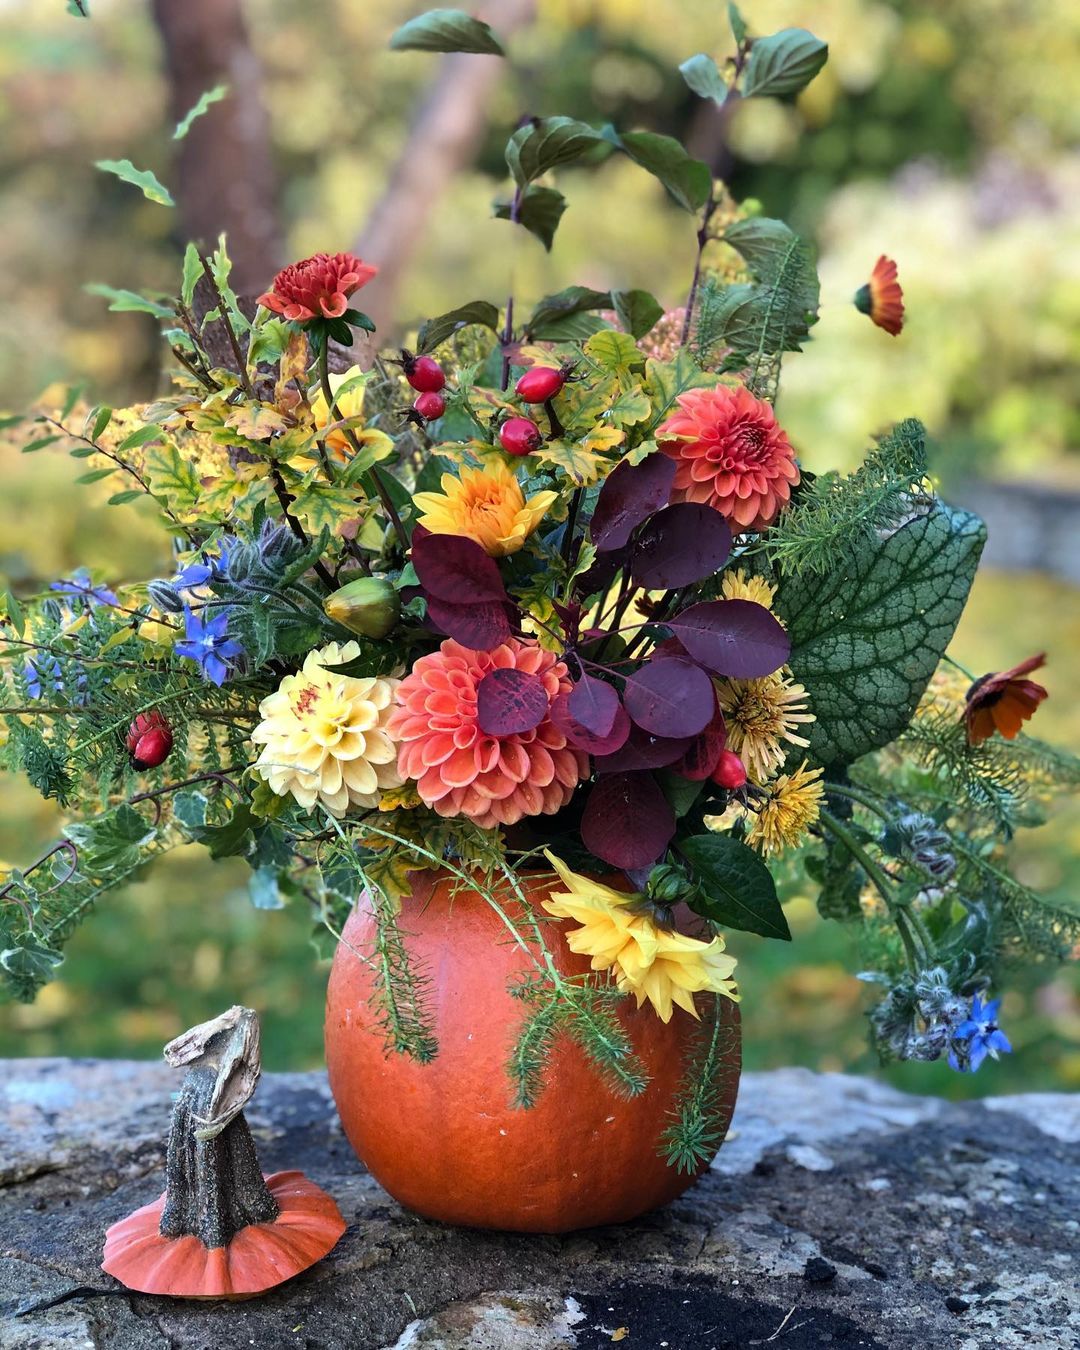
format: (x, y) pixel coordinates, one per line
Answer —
(881, 298)
(486, 505)
(731, 454)
(349, 405)
(461, 770)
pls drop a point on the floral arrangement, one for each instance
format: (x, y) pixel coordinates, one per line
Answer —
(548, 589)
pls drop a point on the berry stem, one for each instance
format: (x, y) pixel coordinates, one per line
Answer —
(703, 237)
(282, 493)
(230, 331)
(508, 329)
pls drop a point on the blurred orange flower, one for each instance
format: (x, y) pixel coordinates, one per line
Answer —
(1003, 702)
(882, 297)
(317, 287)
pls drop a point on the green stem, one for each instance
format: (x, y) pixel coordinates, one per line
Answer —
(855, 795)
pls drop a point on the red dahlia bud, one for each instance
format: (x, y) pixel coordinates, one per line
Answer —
(520, 436)
(149, 740)
(730, 771)
(424, 374)
(430, 406)
(541, 383)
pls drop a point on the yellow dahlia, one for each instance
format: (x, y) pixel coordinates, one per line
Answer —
(485, 504)
(648, 961)
(739, 586)
(761, 717)
(324, 735)
(793, 806)
(349, 405)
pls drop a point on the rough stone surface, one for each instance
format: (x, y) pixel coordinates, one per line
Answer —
(946, 1226)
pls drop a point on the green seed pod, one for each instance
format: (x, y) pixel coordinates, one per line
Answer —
(369, 606)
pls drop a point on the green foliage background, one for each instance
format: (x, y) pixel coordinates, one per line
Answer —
(938, 134)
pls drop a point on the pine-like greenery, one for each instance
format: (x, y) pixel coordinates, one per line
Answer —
(697, 1129)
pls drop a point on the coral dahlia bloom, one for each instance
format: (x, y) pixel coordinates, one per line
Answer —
(325, 736)
(731, 454)
(463, 771)
(1003, 702)
(882, 297)
(648, 961)
(486, 505)
(317, 287)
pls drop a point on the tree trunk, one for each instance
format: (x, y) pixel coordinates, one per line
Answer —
(443, 139)
(225, 171)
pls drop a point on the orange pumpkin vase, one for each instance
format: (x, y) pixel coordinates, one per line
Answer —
(445, 1137)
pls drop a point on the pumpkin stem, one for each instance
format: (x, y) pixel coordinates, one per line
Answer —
(214, 1185)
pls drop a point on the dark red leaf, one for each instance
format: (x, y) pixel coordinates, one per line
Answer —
(631, 492)
(680, 545)
(643, 751)
(594, 705)
(581, 737)
(737, 638)
(478, 627)
(704, 753)
(670, 697)
(456, 570)
(509, 701)
(627, 820)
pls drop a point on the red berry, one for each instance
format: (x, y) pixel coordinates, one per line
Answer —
(520, 436)
(149, 740)
(730, 771)
(541, 383)
(430, 405)
(425, 374)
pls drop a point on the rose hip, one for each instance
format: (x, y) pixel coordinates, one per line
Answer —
(520, 436)
(424, 374)
(730, 771)
(430, 405)
(541, 383)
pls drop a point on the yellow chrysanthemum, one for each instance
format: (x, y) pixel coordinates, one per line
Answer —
(761, 718)
(349, 405)
(738, 586)
(792, 807)
(485, 504)
(324, 735)
(651, 962)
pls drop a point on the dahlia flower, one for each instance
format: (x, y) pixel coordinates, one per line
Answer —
(486, 505)
(463, 771)
(739, 586)
(648, 961)
(731, 454)
(793, 805)
(1003, 702)
(325, 736)
(349, 405)
(317, 287)
(881, 298)
(762, 718)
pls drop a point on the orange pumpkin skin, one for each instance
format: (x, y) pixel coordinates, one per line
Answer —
(445, 1138)
(259, 1257)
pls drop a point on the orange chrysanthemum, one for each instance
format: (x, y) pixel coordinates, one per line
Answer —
(463, 771)
(1003, 702)
(731, 454)
(317, 287)
(882, 297)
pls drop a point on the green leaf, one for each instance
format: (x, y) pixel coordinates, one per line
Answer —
(73, 395)
(122, 498)
(737, 22)
(39, 443)
(688, 180)
(203, 104)
(321, 506)
(171, 476)
(140, 436)
(703, 76)
(539, 212)
(232, 838)
(446, 30)
(95, 475)
(265, 890)
(193, 270)
(11, 420)
(638, 311)
(681, 792)
(554, 308)
(127, 302)
(189, 808)
(112, 842)
(614, 350)
(784, 63)
(14, 612)
(866, 638)
(776, 314)
(437, 330)
(102, 417)
(546, 142)
(30, 963)
(143, 179)
(666, 380)
(78, 9)
(737, 889)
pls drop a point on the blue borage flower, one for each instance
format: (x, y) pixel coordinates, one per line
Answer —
(207, 643)
(978, 1037)
(207, 565)
(79, 586)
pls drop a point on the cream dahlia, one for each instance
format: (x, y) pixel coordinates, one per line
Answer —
(731, 454)
(463, 771)
(325, 736)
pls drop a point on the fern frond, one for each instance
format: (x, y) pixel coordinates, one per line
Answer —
(700, 1117)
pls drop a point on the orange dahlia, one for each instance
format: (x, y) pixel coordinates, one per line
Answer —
(317, 287)
(1003, 702)
(882, 297)
(730, 454)
(461, 770)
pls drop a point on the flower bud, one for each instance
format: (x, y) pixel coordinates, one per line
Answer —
(149, 740)
(369, 606)
(165, 595)
(667, 885)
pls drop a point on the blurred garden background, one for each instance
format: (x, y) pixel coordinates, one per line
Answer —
(943, 135)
